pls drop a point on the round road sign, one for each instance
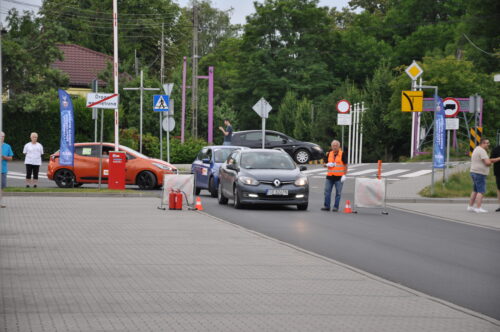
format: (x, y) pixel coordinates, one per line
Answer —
(343, 106)
(168, 124)
(451, 107)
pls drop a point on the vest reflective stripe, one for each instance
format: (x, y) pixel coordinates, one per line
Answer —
(339, 168)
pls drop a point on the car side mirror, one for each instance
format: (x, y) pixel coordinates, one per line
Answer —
(303, 168)
(231, 167)
(205, 161)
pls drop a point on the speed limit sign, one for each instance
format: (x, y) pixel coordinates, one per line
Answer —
(343, 106)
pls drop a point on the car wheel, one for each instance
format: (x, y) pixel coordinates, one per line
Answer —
(302, 156)
(197, 191)
(222, 199)
(78, 185)
(236, 199)
(146, 180)
(302, 207)
(64, 178)
(211, 187)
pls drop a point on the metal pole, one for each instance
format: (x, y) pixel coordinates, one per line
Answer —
(100, 149)
(412, 143)
(349, 141)
(447, 152)
(356, 136)
(194, 81)
(263, 132)
(115, 67)
(140, 110)
(170, 111)
(183, 106)
(361, 134)
(1, 113)
(210, 105)
(162, 64)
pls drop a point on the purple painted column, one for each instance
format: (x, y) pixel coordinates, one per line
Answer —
(183, 116)
(210, 105)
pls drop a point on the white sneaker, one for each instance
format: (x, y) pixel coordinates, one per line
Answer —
(480, 210)
(470, 208)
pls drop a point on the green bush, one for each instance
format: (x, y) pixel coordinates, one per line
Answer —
(185, 153)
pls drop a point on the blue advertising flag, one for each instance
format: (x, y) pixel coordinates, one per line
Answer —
(67, 142)
(439, 134)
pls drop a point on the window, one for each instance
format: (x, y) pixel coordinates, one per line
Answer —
(86, 151)
(221, 155)
(252, 137)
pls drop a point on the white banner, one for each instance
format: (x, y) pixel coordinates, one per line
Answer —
(182, 182)
(369, 193)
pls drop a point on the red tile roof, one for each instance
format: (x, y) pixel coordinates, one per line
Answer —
(82, 64)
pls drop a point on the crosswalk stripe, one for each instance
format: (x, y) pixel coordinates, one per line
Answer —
(366, 171)
(418, 173)
(396, 171)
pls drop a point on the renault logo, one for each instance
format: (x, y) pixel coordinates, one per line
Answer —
(276, 183)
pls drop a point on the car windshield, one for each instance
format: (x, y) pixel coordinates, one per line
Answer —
(133, 152)
(266, 160)
(221, 155)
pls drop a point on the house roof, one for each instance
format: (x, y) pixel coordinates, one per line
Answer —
(82, 64)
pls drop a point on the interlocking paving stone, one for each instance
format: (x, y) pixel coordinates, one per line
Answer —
(120, 264)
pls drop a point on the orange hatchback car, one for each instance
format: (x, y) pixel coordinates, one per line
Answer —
(140, 170)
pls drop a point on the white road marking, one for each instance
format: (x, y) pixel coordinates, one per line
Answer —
(366, 171)
(396, 171)
(418, 173)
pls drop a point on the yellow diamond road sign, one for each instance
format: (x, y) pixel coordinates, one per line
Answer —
(414, 70)
(412, 101)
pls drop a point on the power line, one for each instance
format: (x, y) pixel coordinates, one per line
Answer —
(470, 41)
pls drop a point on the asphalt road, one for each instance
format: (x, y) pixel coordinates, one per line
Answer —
(451, 261)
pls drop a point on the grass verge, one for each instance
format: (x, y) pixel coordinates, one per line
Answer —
(459, 185)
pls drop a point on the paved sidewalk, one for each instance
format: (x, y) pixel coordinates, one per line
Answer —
(120, 264)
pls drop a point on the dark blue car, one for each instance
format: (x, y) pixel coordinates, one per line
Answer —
(206, 166)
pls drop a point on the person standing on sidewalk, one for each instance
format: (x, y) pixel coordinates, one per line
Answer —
(335, 176)
(6, 156)
(228, 132)
(33, 151)
(479, 171)
(496, 171)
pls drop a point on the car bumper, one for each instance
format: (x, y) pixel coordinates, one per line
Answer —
(258, 195)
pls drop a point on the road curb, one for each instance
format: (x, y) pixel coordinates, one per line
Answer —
(73, 194)
(438, 200)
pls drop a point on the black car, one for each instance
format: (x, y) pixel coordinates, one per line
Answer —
(262, 176)
(301, 152)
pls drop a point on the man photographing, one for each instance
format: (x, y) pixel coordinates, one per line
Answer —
(228, 132)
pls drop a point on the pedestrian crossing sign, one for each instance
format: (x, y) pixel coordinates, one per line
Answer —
(160, 103)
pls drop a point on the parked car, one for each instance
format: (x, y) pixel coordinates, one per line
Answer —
(140, 170)
(301, 152)
(206, 166)
(262, 176)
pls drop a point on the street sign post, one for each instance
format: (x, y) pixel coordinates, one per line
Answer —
(160, 103)
(343, 106)
(262, 108)
(451, 107)
(414, 71)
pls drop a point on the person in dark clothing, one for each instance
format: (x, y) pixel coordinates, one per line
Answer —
(495, 153)
(335, 176)
(228, 132)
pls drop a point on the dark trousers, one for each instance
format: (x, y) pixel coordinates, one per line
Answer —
(329, 184)
(32, 169)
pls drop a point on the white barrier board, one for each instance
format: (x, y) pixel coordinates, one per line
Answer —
(369, 193)
(182, 182)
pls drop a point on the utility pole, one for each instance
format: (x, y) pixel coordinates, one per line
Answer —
(162, 74)
(141, 88)
(194, 81)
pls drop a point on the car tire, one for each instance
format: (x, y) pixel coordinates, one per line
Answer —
(221, 198)
(211, 187)
(146, 180)
(78, 185)
(302, 156)
(302, 207)
(64, 178)
(236, 199)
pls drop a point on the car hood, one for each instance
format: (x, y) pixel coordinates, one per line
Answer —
(159, 161)
(272, 174)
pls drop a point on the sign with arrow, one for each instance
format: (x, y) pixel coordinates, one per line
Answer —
(412, 101)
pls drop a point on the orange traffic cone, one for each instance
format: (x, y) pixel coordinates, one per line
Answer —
(347, 208)
(199, 207)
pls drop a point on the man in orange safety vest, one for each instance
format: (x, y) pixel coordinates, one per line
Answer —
(335, 176)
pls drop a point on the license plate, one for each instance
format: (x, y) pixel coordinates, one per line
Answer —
(277, 192)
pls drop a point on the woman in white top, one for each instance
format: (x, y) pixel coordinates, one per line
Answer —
(33, 151)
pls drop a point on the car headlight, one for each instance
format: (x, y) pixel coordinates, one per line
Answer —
(248, 180)
(317, 148)
(302, 181)
(165, 167)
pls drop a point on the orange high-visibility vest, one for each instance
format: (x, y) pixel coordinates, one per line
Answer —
(339, 168)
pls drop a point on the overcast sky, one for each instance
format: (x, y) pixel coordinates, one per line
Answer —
(241, 8)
